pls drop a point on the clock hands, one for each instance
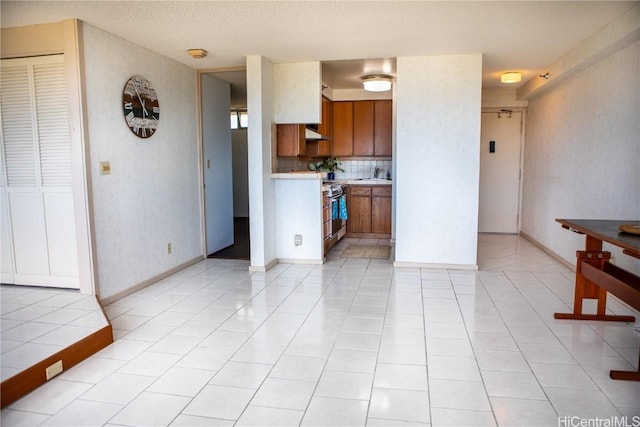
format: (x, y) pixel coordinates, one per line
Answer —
(144, 110)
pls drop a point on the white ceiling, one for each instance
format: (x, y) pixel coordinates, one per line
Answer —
(513, 35)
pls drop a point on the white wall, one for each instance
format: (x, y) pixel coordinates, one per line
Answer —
(358, 94)
(151, 197)
(501, 98)
(299, 211)
(582, 152)
(437, 159)
(240, 173)
(297, 92)
(261, 131)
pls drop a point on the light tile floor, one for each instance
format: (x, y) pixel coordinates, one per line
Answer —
(353, 342)
(38, 322)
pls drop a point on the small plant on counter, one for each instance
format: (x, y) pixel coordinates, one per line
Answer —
(331, 164)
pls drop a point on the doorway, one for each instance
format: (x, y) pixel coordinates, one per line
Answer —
(500, 166)
(225, 164)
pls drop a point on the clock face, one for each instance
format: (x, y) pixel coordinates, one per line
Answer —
(140, 107)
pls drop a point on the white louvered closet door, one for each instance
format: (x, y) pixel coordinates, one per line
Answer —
(37, 224)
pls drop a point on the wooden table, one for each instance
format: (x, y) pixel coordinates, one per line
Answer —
(595, 275)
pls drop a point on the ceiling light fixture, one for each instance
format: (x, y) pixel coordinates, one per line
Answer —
(511, 77)
(197, 53)
(376, 83)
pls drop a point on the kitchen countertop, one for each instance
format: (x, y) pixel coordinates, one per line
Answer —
(369, 181)
(299, 175)
(323, 176)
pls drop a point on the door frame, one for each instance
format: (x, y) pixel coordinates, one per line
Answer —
(523, 112)
(200, 137)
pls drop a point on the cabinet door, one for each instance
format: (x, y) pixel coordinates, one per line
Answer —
(342, 129)
(325, 128)
(363, 128)
(382, 128)
(359, 214)
(381, 215)
(290, 140)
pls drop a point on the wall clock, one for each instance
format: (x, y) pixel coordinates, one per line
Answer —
(140, 106)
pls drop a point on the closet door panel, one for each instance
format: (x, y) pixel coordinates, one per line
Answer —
(29, 234)
(61, 237)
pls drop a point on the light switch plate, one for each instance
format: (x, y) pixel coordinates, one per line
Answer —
(105, 168)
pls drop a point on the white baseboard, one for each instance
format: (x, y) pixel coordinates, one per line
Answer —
(145, 283)
(548, 251)
(300, 261)
(263, 268)
(400, 264)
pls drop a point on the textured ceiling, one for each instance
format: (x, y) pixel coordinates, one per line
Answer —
(514, 35)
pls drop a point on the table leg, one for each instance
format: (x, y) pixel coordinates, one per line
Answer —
(586, 289)
(626, 375)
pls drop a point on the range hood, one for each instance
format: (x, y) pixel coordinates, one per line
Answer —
(312, 134)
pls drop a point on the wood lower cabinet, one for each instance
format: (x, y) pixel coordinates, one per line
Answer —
(381, 210)
(359, 209)
(369, 210)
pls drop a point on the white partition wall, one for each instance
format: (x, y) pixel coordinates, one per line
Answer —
(438, 105)
(261, 132)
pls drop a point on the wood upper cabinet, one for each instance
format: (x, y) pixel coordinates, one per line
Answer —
(342, 129)
(322, 148)
(362, 128)
(363, 117)
(291, 140)
(382, 128)
(326, 127)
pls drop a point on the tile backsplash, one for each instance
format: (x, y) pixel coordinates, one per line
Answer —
(288, 164)
(352, 168)
(363, 169)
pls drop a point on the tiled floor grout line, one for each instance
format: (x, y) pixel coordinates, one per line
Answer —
(590, 326)
(324, 289)
(375, 366)
(518, 344)
(485, 309)
(473, 350)
(426, 350)
(194, 314)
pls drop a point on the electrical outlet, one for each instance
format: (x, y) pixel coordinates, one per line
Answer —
(169, 248)
(54, 370)
(298, 240)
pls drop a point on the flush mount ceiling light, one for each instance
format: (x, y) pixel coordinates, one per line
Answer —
(376, 83)
(511, 77)
(197, 53)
